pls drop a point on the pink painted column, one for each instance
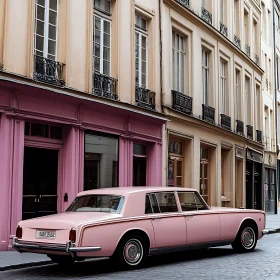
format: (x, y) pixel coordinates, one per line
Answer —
(73, 163)
(125, 162)
(11, 177)
(154, 165)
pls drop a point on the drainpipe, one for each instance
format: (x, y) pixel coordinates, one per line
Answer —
(276, 102)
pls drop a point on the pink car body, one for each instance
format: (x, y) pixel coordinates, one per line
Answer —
(97, 234)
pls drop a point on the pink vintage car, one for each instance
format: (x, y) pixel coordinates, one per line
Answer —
(129, 224)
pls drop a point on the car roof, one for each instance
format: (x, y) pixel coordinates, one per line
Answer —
(128, 190)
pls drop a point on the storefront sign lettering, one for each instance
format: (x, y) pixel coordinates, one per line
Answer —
(254, 156)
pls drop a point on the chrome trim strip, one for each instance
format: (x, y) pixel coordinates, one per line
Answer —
(69, 248)
(268, 231)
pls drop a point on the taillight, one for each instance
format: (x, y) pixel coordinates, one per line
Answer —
(72, 235)
(19, 232)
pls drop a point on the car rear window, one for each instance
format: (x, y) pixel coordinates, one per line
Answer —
(97, 203)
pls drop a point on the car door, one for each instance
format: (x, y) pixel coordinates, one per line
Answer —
(202, 224)
(168, 223)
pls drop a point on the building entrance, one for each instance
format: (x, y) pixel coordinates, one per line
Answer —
(39, 182)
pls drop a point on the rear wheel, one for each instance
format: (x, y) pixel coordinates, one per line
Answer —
(131, 251)
(246, 239)
(62, 260)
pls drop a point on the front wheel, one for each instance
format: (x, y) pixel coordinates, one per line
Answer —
(131, 251)
(246, 239)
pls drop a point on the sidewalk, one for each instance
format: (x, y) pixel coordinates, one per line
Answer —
(13, 259)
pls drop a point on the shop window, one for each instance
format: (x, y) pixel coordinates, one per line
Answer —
(204, 174)
(175, 163)
(43, 130)
(139, 165)
(101, 161)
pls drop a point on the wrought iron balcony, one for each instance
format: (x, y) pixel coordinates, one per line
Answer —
(182, 102)
(249, 132)
(48, 71)
(237, 41)
(257, 59)
(145, 98)
(225, 122)
(185, 3)
(247, 49)
(208, 113)
(259, 136)
(206, 16)
(104, 86)
(239, 127)
(1, 67)
(223, 29)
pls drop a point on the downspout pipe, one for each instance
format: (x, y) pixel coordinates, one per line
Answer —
(275, 103)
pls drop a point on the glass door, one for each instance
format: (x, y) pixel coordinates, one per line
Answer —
(204, 181)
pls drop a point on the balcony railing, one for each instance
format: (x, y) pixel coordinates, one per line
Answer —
(223, 29)
(239, 127)
(208, 113)
(250, 132)
(225, 122)
(206, 16)
(259, 136)
(48, 71)
(104, 86)
(247, 49)
(181, 102)
(237, 41)
(257, 59)
(185, 3)
(145, 98)
(1, 67)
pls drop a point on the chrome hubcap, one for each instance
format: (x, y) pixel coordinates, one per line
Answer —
(133, 252)
(248, 238)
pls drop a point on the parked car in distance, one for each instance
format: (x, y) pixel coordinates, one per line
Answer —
(130, 223)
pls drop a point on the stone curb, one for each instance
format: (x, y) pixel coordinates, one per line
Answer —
(24, 265)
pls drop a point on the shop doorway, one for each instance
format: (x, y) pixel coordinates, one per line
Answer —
(39, 182)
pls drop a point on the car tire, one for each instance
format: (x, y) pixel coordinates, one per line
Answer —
(131, 252)
(62, 260)
(246, 239)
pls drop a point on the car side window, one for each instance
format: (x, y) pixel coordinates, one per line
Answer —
(199, 202)
(166, 202)
(148, 206)
(154, 203)
(187, 201)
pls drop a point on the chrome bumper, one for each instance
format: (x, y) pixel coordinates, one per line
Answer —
(268, 231)
(68, 248)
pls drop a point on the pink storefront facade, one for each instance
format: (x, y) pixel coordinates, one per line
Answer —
(22, 105)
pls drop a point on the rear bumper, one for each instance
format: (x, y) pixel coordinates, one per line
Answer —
(68, 248)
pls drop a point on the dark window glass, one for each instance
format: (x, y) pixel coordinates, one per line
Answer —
(148, 207)
(27, 128)
(200, 205)
(41, 130)
(154, 203)
(139, 149)
(56, 132)
(167, 202)
(103, 5)
(187, 201)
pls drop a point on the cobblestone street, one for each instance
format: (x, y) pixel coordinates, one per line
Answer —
(219, 263)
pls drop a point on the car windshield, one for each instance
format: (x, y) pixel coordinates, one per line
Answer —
(97, 203)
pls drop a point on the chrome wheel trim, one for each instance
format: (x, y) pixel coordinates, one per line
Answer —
(248, 238)
(133, 252)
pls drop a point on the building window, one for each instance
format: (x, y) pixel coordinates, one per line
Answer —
(101, 161)
(222, 11)
(141, 51)
(237, 94)
(139, 165)
(204, 174)
(102, 40)
(205, 76)
(236, 18)
(246, 27)
(257, 108)
(46, 28)
(178, 61)
(175, 163)
(43, 130)
(223, 87)
(247, 101)
(102, 5)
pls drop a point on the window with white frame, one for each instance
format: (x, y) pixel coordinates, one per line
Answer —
(205, 76)
(178, 61)
(237, 94)
(46, 17)
(102, 45)
(223, 87)
(141, 51)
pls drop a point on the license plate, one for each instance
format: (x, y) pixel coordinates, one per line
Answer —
(40, 234)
